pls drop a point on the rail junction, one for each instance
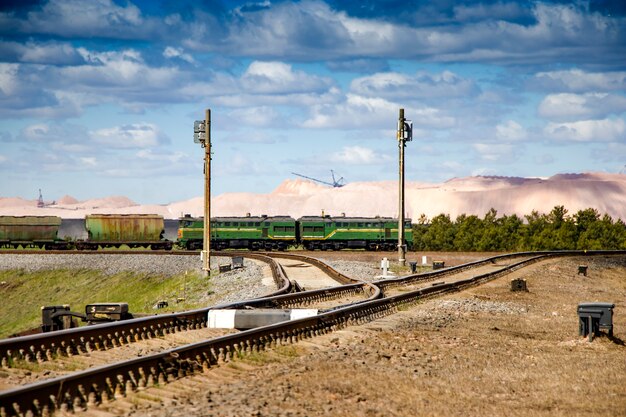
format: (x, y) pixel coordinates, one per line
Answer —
(343, 305)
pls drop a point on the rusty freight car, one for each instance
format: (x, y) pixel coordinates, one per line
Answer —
(31, 232)
(132, 230)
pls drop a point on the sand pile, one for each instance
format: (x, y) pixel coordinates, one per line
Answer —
(297, 197)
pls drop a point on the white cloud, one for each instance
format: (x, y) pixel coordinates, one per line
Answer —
(79, 18)
(89, 161)
(150, 154)
(280, 78)
(510, 131)
(172, 52)
(571, 107)
(263, 116)
(501, 153)
(369, 112)
(358, 155)
(138, 135)
(9, 79)
(576, 80)
(605, 130)
(393, 85)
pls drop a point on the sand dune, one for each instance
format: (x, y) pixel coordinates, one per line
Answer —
(297, 197)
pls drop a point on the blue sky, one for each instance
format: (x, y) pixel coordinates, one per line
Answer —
(98, 97)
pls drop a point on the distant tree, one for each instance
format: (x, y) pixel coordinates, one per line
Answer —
(535, 224)
(440, 234)
(468, 232)
(562, 230)
(511, 228)
(553, 231)
(419, 229)
(491, 238)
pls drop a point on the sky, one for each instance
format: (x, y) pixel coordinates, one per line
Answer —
(98, 97)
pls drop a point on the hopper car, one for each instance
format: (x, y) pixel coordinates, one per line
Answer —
(103, 230)
(31, 232)
(132, 230)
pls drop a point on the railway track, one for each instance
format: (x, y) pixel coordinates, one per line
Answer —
(93, 386)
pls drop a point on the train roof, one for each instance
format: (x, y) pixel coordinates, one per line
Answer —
(279, 218)
(350, 219)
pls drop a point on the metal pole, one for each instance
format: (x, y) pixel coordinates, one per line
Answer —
(206, 252)
(401, 145)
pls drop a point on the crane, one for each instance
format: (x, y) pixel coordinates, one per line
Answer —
(336, 182)
(40, 202)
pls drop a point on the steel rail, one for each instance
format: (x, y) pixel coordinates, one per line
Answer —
(44, 346)
(96, 385)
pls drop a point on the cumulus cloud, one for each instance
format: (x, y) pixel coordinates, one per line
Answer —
(576, 80)
(402, 86)
(510, 131)
(263, 116)
(69, 18)
(280, 78)
(370, 112)
(358, 155)
(172, 52)
(571, 107)
(137, 135)
(500, 153)
(605, 130)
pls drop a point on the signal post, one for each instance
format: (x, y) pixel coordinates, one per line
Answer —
(202, 135)
(404, 135)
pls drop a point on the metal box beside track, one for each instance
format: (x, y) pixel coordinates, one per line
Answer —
(99, 312)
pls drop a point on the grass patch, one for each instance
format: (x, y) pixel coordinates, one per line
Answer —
(24, 293)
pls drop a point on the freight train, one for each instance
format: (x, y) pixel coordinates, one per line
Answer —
(252, 233)
(103, 231)
(280, 232)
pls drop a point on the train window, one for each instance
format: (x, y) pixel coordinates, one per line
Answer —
(290, 228)
(352, 224)
(267, 224)
(360, 224)
(369, 225)
(318, 228)
(227, 224)
(407, 224)
(307, 228)
(250, 224)
(279, 228)
(257, 224)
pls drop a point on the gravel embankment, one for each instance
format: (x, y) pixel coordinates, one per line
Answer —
(366, 271)
(235, 285)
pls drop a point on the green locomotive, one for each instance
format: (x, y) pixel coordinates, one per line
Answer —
(280, 232)
(254, 233)
(336, 233)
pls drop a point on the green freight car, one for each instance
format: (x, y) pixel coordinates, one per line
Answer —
(31, 231)
(254, 233)
(336, 233)
(132, 230)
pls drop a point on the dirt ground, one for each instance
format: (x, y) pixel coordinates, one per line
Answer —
(481, 352)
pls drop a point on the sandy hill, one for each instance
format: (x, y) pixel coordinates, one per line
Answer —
(470, 195)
